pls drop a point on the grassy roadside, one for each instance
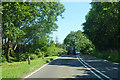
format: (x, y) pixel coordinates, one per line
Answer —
(111, 55)
(18, 69)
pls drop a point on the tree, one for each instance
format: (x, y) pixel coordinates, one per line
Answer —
(25, 22)
(102, 25)
(80, 41)
(70, 39)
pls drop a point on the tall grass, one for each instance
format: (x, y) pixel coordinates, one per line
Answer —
(111, 55)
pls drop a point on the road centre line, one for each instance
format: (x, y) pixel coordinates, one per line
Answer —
(89, 69)
(95, 69)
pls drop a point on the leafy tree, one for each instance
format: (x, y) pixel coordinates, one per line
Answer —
(102, 25)
(24, 23)
(70, 39)
(80, 41)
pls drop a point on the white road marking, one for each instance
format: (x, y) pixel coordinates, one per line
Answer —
(36, 71)
(96, 70)
(89, 69)
(39, 69)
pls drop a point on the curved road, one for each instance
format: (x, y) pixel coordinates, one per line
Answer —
(78, 66)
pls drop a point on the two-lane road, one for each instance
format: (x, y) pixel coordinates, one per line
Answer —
(76, 66)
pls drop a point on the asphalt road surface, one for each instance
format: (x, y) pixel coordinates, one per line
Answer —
(78, 66)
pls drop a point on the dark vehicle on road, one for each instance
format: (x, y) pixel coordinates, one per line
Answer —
(71, 50)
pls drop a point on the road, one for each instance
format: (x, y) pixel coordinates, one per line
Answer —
(78, 66)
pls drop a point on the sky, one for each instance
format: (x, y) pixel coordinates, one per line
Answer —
(74, 16)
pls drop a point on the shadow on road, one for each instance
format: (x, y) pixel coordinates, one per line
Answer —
(103, 66)
(66, 60)
(75, 69)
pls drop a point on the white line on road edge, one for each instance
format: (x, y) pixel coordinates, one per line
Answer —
(39, 68)
(96, 70)
(36, 71)
(89, 69)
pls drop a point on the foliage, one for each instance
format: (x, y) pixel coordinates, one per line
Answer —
(26, 26)
(80, 41)
(37, 51)
(112, 55)
(33, 56)
(54, 51)
(102, 25)
(4, 59)
(22, 56)
(22, 68)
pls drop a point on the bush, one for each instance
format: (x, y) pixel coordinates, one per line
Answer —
(112, 55)
(37, 51)
(4, 59)
(33, 56)
(22, 56)
(54, 51)
(40, 54)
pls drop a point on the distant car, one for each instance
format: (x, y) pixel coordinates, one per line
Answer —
(71, 50)
(77, 52)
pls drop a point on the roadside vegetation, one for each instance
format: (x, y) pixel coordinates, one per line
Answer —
(21, 69)
(79, 40)
(18, 69)
(111, 55)
(102, 27)
(101, 35)
(26, 30)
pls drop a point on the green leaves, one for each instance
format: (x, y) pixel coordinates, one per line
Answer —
(102, 25)
(79, 40)
(29, 23)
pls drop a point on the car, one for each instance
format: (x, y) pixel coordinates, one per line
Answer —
(77, 52)
(71, 50)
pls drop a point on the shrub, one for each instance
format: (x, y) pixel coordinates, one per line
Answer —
(40, 54)
(54, 51)
(33, 56)
(23, 56)
(37, 51)
(4, 59)
(112, 55)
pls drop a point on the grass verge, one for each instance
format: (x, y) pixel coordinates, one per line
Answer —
(18, 69)
(111, 55)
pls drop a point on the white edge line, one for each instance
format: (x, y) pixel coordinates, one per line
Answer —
(96, 69)
(39, 68)
(90, 69)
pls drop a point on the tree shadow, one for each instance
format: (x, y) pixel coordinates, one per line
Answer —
(108, 68)
(66, 60)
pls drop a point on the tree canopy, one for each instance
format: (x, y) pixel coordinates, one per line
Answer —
(28, 23)
(80, 41)
(102, 25)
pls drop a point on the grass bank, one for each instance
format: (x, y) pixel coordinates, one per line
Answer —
(111, 55)
(18, 69)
